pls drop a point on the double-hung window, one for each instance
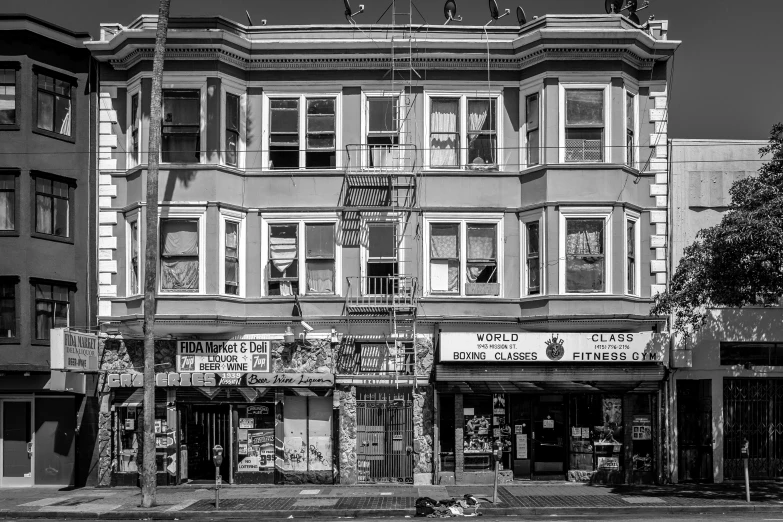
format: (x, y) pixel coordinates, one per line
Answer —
(283, 278)
(232, 270)
(632, 240)
(7, 308)
(302, 132)
(630, 127)
(532, 135)
(383, 132)
(181, 132)
(134, 131)
(586, 247)
(464, 257)
(7, 202)
(232, 129)
(533, 257)
(52, 303)
(52, 202)
(54, 112)
(584, 125)
(179, 255)
(289, 257)
(382, 257)
(7, 97)
(469, 141)
(231, 239)
(134, 265)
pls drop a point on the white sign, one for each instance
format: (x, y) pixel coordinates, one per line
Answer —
(73, 351)
(521, 446)
(249, 464)
(524, 347)
(223, 356)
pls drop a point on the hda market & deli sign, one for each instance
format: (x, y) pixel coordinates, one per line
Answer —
(524, 347)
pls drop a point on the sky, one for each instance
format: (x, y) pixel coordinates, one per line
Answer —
(728, 72)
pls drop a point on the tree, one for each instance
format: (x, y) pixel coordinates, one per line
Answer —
(149, 465)
(738, 262)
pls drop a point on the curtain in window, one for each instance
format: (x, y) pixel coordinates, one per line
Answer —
(6, 203)
(481, 246)
(282, 252)
(64, 112)
(179, 266)
(43, 210)
(320, 277)
(443, 131)
(180, 238)
(584, 255)
(444, 273)
(477, 115)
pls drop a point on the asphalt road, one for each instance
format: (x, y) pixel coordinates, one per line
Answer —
(707, 517)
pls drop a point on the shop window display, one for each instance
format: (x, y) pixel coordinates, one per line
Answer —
(596, 435)
(129, 420)
(256, 438)
(485, 424)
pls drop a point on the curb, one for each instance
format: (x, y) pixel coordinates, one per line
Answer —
(357, 513)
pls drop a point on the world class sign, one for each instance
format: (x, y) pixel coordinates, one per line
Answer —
(527, 347)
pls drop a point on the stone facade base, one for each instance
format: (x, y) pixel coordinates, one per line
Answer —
(422, 479)
(505, 476)
(307, 477)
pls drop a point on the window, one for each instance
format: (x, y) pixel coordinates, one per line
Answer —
(317, 256)
(232, 258)
(463, 256)
(308, 140)
(51, 308)
(448, 132)
(179, 253)
(7, 309)
(585, 255)
(135, 120)
(531, 129)
(632, 239)
(758, 354)
(381, 257)
(181, 137)
(232, 129)
(54, 105)
(7, 97)
(7, 202)
(630, 126)
(134, 272)
(383, 132)
(533, 258)
(51, 207)
(584, 125)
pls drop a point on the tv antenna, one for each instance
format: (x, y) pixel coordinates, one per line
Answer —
(618, 6)
(495, 12)
(349, 14)
(250, 21)
(450, 12)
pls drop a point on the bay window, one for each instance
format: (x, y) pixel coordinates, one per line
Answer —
(533, 258)
(52, 303)
(134, 266)
(300, 139)
(134, 130)
(482, 133)
(7, 308)
(52, 202)
(7, 202)
(8, 97)
(231, 242)
(584, 125)
(179, 255)
(585, 259)
(482, 261)
(469, 141)
(181, 134)
(532, 135)
(53, 108)
(232, 129)
(630, 127)
(632, 240)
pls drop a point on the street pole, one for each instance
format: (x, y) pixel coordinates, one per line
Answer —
(498, 456)
(744, 453)
(217, 458)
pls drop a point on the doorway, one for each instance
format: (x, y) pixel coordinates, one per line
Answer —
(16, 427)
(207, 425)
(384, 435)
(549, 440)
(694, 425)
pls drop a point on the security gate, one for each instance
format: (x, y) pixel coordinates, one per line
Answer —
(753, 410)
(384, 438)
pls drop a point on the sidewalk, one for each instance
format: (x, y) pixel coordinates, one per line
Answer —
(531, 498)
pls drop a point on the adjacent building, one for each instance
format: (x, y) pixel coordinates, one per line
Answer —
(48, 271)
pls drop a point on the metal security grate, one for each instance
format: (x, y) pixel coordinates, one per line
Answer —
(753, 409)
(384, 435)
(579, 150)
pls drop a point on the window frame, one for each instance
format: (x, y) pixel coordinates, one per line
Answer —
(130, 218)
(627, 91)
(635, 218)
(71, 184)
(525, 131)
(17, 337)
(241, 93)
(302, 131)
(607, 126)
(70, 286)
(301, 219)
(185, 213)
(73, 82)
(525, 219)
(134, 120)
(16, 67)
(365, 122)
(238, 218)
(16, 199)
(202, 89)
(464, 219)
(462, 97)
(604, 213)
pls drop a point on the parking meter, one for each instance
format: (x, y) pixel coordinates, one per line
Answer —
(498, 453)
(217, 458)
(745, 448)
(744, 451)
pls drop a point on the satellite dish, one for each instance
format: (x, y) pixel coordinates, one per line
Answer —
(521, 18)
(634, 18)
(349, 14)
(450, 11)
(494, 11)
(613, 6)
(250, 21)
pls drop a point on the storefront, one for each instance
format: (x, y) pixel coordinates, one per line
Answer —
(576, 406)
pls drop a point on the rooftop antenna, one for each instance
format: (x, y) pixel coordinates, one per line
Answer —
(495, 12)
(349, 14)
(450, 11)
(632, 6)
(250, 21)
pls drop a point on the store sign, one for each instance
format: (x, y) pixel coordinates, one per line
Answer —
(211, 380)
(309, 380)
(609, 463)
(642, 427)
(522, 347)
(73, 351)
(223, 356)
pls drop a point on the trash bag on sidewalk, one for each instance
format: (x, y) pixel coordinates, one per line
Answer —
(454, 507)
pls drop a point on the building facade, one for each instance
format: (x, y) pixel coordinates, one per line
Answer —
(48, 275)
(726, 380)
(384, 250)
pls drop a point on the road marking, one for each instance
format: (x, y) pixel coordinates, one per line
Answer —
(387, 493)
(182, 505)
(309, 491)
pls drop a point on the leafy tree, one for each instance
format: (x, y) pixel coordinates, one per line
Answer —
(738, 262)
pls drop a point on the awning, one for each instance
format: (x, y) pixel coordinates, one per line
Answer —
(135, 399)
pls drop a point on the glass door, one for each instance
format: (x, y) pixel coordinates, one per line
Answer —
(16, 427)
(549, 425)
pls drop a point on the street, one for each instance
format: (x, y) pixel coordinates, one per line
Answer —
(705, 517)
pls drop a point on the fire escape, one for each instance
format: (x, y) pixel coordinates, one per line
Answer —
(379, 198)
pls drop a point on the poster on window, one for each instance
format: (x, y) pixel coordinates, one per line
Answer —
(521, 445)
(642, 427)
(609, 463)
(261, 443)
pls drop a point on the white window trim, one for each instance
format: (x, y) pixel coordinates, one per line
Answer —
(533, 216)
(364, 254)
(636, 149)
(303, 96)
(607, 88)
(636, 219)
(364, 114)
(199, 214)
(463, 97)
(586, 212)
(133, 89)
(301, 219)
(133, 217)
(202, 88)
(232, 216)
(463, 219)
(523, 145)
(242, 145)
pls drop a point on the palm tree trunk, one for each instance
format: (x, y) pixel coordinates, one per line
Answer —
(149, 464)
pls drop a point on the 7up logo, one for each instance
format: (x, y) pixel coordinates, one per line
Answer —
(259, 362)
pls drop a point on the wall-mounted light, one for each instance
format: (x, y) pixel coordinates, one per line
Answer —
(288, 335)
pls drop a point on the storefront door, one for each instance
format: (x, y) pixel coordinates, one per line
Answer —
(549, 437)
(207, 425)
(16, 426)
(384, 435)
(694, 424)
